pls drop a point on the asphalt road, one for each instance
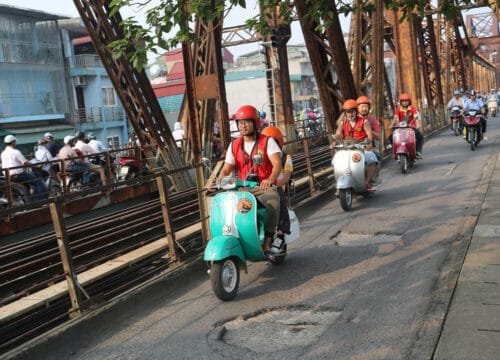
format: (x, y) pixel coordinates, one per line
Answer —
(373, 283)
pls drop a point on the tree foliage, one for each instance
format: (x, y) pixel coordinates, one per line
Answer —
(170, 22)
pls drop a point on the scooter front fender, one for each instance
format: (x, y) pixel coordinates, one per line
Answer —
(345, 182)
(222, 247)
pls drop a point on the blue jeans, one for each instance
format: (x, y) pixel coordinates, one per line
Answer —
(30, 179)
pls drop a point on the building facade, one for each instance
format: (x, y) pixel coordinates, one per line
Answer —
(33, 92)
(95, 105)
(51, 80)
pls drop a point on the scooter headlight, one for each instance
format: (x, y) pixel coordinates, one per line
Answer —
(228, 183)
(356, 157)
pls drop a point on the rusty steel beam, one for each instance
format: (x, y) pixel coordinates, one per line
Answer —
(327, 58)
(408, 77)
(278, 73)
(431, 69)
(209, 89)
(366, 50)
(133, 88)
(239, 35)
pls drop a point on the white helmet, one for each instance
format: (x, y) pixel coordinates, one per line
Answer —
(68, 138)
(48, 135)
(9, 139)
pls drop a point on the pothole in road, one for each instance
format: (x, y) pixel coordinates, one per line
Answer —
(358, 239)
(274, 330)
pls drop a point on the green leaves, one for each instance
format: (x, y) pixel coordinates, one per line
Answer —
(171, 22)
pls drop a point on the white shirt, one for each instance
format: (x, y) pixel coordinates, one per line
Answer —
(12, 157)
(97, 146)
(85, 148)
(178, 134)
(272, 148)
(42, 154)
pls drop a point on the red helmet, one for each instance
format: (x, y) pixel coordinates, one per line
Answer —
(404, 97)
(363, 100)
(248, 112)
(350, 104)
(275, 133)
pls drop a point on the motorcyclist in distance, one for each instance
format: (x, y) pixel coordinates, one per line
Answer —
(406, 112)
(256, 157)
(354, 127)
(476, 104)
(457, 100)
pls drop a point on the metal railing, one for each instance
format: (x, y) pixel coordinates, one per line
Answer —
(87, 60)
(99, 114)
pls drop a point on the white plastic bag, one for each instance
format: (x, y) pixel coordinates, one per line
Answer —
(294, 228)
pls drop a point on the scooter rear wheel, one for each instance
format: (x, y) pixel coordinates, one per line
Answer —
(225, 278)
(403, 163)
(345, 197)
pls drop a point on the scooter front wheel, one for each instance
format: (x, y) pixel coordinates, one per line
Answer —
(345, 197)
(225, 278)
(403, 163)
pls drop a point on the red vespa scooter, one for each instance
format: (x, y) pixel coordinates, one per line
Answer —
(404, 146)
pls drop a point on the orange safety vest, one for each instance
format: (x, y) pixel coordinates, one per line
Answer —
(411, 117)
(245, 163)
(357, 132)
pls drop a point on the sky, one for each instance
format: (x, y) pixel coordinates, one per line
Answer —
(236, 17)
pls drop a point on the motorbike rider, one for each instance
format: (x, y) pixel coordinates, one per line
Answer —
(406, 112)
(473, 103)
(244, 155)
(51, 145)
(12, 157)
(178, 134)
(282, 180)
(73, 162)
(457, 100)
(364, 106)
(43, 155)
(353, 126)
(86, 150)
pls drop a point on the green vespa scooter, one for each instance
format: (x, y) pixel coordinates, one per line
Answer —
(236, 235)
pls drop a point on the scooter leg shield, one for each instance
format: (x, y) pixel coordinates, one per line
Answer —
(344, 182)
(222, 247)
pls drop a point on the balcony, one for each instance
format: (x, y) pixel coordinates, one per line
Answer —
(99, 114)
(87, 60)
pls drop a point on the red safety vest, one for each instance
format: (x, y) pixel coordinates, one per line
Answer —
(357, 132)
(411, 118)
(244, 162)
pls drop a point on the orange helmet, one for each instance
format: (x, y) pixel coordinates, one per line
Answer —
(248, 112)
(350, 104)
(363, 100)
(404, 97)
(275, 133)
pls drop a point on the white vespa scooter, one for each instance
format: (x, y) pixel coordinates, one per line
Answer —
(349, 170)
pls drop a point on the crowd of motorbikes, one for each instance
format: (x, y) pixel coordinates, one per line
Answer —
(127, 167)
(468, 123)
